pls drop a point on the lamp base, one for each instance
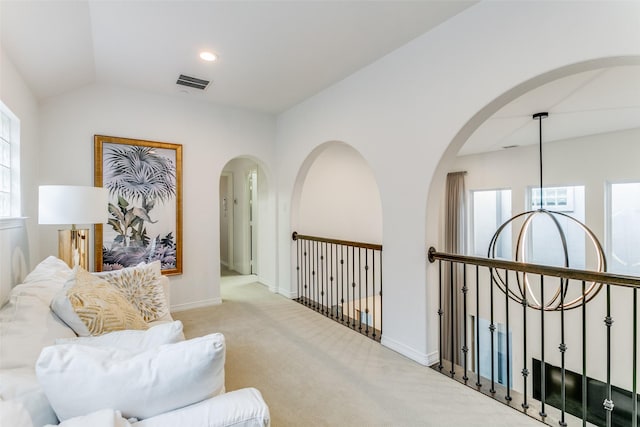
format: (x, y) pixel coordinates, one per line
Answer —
(73, 247)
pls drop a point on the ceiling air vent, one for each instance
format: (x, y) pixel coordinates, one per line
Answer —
(192, 82)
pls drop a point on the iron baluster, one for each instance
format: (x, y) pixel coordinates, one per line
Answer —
(635, 358)
(452, 317)
(608, 402)
(492, 328)
(525, 371)
(563, 349)
(440, 313)
(373, 291)
(360, 289)
(353, 287)
(366, 290)
(543, 367)
(584, 358)
(465, 349)
(342, 282)
(477, 325)
(506, 276)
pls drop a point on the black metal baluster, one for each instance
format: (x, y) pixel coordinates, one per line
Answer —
(608, 402)
(360, 288)
(307, 272)
(452, 317)
(440, 313)
(635, 357)
(353, 287)
(331, 272)
(477, 325)
(506, 301)
(366, 290)
(298, 268)
(584, 355)
(327, 288)
(342, 283)
(492, 328)
(327, 282)
(321, 278)
(563, 349)
(543, 367)
(525, 371)
(465, 349)
(381, 311)
(373, 291)
(318, 271)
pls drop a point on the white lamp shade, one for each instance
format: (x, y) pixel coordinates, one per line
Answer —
(72, 204)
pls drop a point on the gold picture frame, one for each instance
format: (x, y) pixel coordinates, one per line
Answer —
(144, 179)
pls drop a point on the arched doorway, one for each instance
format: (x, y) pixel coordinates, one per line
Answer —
(246, 215)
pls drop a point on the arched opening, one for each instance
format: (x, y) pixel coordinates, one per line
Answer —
(589, 142)
(246, 213)
(337, 196)
(338, 230)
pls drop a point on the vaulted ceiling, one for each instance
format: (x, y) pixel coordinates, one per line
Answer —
(274, 54)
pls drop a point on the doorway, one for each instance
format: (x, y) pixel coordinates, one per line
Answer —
(239, 204)
(226, 223)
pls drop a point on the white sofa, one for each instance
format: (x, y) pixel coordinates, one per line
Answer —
(31, 334)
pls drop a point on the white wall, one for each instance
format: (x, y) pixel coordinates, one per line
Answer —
(340, 198)
(18, 239)
(210, 136)
(403, 112)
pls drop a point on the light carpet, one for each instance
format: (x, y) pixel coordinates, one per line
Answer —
(313, 371)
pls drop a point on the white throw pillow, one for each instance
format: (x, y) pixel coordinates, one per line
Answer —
(239, 408)
(142, 286)
(132, 340)
(91, 306)
(51, 268)
(80, 379)
(26, 325)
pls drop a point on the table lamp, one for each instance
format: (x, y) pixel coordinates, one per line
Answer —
(71, 204)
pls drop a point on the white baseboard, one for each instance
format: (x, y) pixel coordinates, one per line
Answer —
(405, 350)
(433, 358)
(288, 294)
(196, 304)
(268, 284)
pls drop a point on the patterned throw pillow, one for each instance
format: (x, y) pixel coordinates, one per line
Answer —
(142, 287)
(91, 306)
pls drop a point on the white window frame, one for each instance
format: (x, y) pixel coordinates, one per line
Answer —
(554, 194)
(609, 217)
(14, 219)
(471, 215)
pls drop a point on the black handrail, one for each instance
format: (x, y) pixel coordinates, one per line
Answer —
(547, 270)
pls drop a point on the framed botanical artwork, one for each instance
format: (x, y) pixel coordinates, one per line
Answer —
(144, 182)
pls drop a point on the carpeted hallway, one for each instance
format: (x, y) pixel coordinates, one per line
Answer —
(314, 372)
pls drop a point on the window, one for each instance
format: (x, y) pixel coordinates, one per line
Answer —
(553, 198)
(9, 164)
(480, 331)
(544, 245)
(491, 209)
(623, 228)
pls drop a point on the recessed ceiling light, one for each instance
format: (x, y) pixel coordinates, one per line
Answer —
(208, 56)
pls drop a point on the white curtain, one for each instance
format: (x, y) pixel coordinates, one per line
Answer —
(455, 239)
